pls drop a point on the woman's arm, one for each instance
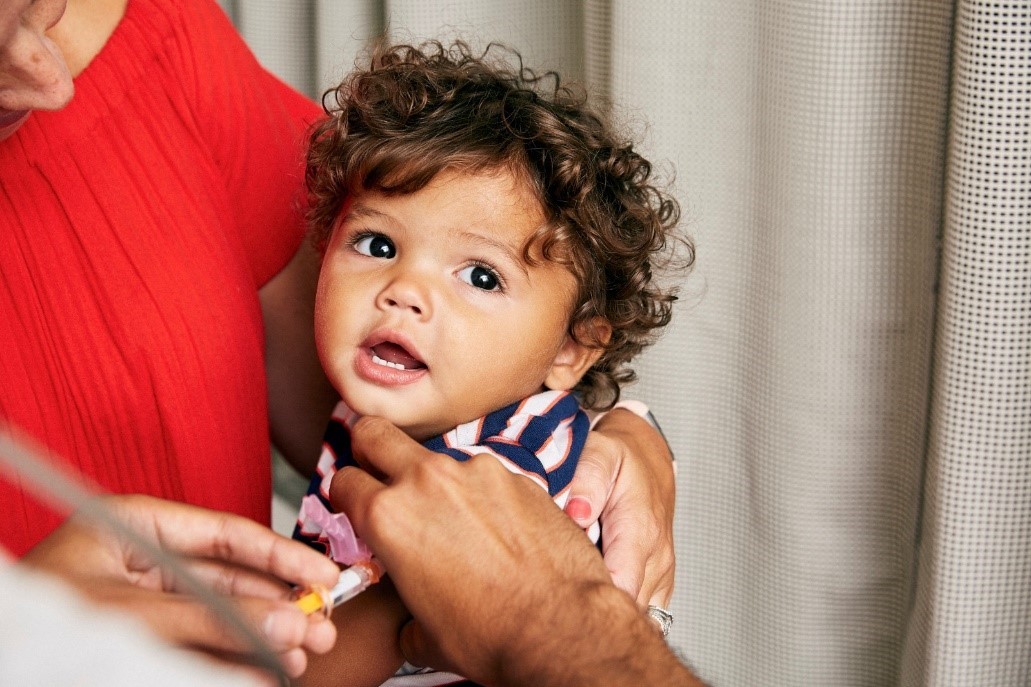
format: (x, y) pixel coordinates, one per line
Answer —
(503, 587)
(301, 399)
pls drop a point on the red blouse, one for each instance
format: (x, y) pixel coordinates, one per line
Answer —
(136, 227)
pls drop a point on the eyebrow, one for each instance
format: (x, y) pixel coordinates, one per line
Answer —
(359, 210)
(504, 248)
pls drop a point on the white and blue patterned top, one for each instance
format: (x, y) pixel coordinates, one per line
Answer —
(540, 437)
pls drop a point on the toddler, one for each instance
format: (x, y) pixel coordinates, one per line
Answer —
(489, 246)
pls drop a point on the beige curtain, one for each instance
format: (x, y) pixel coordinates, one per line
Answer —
(847, 383)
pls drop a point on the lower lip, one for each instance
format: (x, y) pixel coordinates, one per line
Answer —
(383, 375)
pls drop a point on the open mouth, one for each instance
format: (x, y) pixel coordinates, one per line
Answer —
(396, 356)
(389, 359)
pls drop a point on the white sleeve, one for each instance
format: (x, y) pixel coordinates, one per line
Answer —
(51, 636)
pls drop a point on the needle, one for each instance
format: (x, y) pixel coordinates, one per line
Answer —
(352, 582)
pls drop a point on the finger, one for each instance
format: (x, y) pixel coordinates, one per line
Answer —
(637, 523)
(419, 649)
(382, 448)
(230, 580)
(200, 532)
(593, 480)
(184, 621)
(640, 559)
(657, 586)
(241, 665)
(321, 634)
(661, 594)
(351, 492)
(625, 559)
(294, 662)
(659, 574)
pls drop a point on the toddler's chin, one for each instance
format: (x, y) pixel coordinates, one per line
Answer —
(400, 413)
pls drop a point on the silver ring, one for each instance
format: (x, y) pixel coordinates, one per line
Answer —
(663, 617)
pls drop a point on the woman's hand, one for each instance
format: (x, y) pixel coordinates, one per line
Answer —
(625, 478)
(236, 556)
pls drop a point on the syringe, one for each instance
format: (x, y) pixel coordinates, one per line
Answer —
(352, 581)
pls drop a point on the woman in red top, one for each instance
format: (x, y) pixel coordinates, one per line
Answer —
(143, 226)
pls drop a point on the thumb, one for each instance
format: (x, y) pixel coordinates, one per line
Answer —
(593, 480)
(419, 648)
(626, 559)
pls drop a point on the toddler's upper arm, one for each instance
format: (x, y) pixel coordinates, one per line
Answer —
(367, 650)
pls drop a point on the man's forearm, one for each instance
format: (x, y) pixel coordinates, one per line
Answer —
(600, 639)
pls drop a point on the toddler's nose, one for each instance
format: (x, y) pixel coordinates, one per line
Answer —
(405, 293)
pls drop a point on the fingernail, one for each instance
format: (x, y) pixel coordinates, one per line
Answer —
(578, 508)
(284, 627)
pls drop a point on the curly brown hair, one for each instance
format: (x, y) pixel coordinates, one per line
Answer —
(414, 111)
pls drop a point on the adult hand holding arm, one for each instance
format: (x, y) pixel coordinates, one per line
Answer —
(234, 555)
(503, 587)
(625, 477)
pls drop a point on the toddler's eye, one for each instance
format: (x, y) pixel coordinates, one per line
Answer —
(375, 246)
(481, 277)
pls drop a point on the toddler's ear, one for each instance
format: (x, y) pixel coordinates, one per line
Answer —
(574, 359)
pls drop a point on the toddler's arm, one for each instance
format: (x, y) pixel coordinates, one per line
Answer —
(367, 651)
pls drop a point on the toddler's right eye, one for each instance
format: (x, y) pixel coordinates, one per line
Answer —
(376, 246)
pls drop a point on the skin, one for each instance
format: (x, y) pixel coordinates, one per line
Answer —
(629, 469)
(441, 273)
(625, 469)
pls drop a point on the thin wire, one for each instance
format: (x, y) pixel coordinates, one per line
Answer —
(20, 458)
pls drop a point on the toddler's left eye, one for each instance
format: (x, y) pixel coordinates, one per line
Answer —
(481, 277)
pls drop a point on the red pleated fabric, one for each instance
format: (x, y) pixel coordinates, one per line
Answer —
(136, 227)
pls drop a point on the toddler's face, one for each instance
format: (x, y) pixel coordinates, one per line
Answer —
(428, 315)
